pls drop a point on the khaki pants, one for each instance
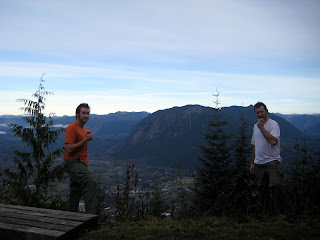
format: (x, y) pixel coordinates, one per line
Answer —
(81, 184)
(269, 174)
(269, 178)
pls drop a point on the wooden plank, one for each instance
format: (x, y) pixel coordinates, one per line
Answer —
(24, 223)
(65, 213)
(34, 223)
(57, 213)
(35, 217)
(13, 231)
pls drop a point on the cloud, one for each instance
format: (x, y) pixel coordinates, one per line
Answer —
(121, 77)
(115, 84)
(206, 27)
(60, 125)
(149, 55)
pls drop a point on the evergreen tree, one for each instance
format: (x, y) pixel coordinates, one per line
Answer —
(214, 178)
(157, 203)
(315, 184)
(129, 192)
(130, 204)
(303, 178)
(101, 201)
(244, 191)
(182, 205)
(36, 173)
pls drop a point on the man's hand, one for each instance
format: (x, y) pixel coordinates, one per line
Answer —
(252, 168)
(88, 136)
(271, 139)
(261, 123)
(72, 148)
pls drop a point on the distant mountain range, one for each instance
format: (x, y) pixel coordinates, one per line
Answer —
(172, 137)
(166, 138)
(306, 123)
(108, 131)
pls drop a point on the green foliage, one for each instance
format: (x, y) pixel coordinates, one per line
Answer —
(183, 206)
(207, 228)
(214, 175)
(243, 200)
(315, 184)
(36, 173)
(304, 180)
(130, 204)
(157, 203)
(101, 201)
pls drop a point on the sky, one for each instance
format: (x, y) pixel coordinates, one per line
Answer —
(149, 55)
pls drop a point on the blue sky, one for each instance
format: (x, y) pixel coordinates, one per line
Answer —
(149, 55)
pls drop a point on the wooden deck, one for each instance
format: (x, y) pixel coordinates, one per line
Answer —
(25, 223)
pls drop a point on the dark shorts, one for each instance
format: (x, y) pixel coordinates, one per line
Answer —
(269, 174)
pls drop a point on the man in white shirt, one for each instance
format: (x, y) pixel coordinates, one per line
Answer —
(266, 159)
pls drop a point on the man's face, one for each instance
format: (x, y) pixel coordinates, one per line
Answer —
(84, 115)
(261, 112)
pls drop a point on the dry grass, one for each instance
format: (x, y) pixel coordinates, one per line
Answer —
(208, 228)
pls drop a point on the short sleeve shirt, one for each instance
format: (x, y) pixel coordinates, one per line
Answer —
(74, 134)
(264, 151)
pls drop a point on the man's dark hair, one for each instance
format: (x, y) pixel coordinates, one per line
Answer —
(259, 104)
(85, 105)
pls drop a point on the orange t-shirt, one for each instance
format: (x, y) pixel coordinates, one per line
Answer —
(74, 134)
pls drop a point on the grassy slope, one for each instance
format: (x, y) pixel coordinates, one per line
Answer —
(209, 228)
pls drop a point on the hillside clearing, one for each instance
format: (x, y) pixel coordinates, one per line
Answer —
(207, 228)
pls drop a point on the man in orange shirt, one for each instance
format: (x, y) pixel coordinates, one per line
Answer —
(76, 152)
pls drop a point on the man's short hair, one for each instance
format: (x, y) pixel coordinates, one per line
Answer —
(259, 104)
(85, 105)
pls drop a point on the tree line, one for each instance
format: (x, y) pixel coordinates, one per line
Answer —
(223, 185)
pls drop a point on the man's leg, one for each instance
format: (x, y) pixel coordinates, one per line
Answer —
(77, 172)
(262, 179)
(277, 190)
(90, 190)
(74, 196)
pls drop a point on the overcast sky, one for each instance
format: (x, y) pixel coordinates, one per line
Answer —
(149, 55)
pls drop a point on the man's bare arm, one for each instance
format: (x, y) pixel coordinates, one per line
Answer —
(252, 160)
(270, 139)
(73, 148)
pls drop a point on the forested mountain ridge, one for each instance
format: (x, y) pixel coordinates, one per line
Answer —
(173, 136)
(164, 138)
(108, 130)
(307, 123)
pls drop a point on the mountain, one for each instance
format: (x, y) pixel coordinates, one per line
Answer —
(172, 137)
(108, 130)
(307, 123)
(166, 138)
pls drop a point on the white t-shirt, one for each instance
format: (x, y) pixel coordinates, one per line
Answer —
(265, 152)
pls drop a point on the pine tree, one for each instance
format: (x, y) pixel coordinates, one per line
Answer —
(315, 184)
(301, 173)
(130, 204)
(36, 173)
(101, 201)
(181, 204)
(157, 203)
(213, 176)
(244, 191)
